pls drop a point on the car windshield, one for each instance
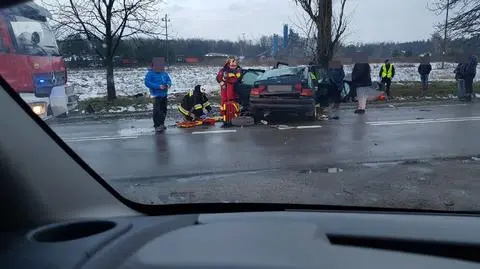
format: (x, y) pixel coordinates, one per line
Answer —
(370, 103)
(33, 37)
(282, 72)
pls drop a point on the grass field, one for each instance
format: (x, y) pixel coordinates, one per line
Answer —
(400, 91)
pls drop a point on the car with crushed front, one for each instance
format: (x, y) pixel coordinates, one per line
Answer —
(286, 89)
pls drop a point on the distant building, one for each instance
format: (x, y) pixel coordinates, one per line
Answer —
(215, 54)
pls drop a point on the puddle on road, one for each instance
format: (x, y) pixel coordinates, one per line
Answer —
(334, 170)
(136, 131)
(381, 164)
(330, 170)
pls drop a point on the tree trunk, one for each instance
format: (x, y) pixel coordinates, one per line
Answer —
(324, 33)
(111, 94)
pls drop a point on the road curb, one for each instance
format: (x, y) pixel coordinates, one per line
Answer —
(148, 114)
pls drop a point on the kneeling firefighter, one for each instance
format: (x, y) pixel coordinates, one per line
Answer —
(193, 105)
(228, 76)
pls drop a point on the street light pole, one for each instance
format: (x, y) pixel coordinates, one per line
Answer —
(444, 53)
(166, 20)
(244, 44)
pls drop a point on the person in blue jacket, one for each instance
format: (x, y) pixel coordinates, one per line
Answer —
(158, 82)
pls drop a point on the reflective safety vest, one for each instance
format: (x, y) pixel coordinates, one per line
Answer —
(234, 75)
(387, 73)
(193, 105)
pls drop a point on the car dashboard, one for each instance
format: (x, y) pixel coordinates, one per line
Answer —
(250, 240)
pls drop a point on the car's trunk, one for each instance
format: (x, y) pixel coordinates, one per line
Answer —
(284, 87)
(283, 91)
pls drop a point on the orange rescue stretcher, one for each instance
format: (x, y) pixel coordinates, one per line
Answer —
(191, 124)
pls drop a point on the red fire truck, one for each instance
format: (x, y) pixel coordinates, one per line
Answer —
(30, 60)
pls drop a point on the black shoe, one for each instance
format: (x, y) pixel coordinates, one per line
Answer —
(361, 111)
(226, 125)
(160, 129)
(356, 111)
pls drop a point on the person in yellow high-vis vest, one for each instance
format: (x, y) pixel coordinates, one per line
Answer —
(387, 72)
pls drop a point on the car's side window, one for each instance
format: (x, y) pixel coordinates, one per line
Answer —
(250, 77)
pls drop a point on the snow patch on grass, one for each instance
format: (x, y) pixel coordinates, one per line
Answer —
(129, 81)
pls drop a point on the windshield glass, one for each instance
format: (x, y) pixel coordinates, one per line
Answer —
(33, 37)
(282, 72)
(328, 102)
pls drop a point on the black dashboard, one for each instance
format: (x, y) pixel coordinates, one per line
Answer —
(279, 240)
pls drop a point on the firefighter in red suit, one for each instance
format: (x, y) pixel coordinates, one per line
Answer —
(227, 77)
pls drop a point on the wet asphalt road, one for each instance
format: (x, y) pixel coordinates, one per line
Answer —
(264, 161)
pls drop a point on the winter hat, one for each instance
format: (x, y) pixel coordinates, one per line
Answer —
(197, 88)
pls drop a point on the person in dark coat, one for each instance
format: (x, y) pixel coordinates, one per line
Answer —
(424, 70)
(193, 105)
(469, 73)
(460, 81)
(336, 75)
(362, 82)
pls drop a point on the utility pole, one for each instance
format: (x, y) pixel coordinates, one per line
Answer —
(244, 44)
(166, 20)
(444, 52)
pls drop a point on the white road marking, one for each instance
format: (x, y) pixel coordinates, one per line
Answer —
(84, 139)
(453, 105)
(89, 137)
(423, 121)
(286, 127)
(215, 132)
(309, 127)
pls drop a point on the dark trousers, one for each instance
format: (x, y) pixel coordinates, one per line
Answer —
(243, 94)
(387, 82)
(159, 111)
(424, 79)
(331, 95)
(468, 84)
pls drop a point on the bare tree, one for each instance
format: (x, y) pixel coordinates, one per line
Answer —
(305, 26)
(464, 19)
(105, 23)
(327, 29)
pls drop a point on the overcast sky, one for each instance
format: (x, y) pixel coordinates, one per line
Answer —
(371, 20)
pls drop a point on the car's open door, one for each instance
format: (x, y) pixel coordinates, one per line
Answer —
(249, 76)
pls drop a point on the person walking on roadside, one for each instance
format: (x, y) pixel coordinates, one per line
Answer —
(193, 105)
(469, 73)
(158, 82)
(424, 70)
(362, 82)
(387, 73)
(460, 81)
(336, 75)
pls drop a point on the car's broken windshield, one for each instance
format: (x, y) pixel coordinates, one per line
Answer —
(281, 72)
(343, 102)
